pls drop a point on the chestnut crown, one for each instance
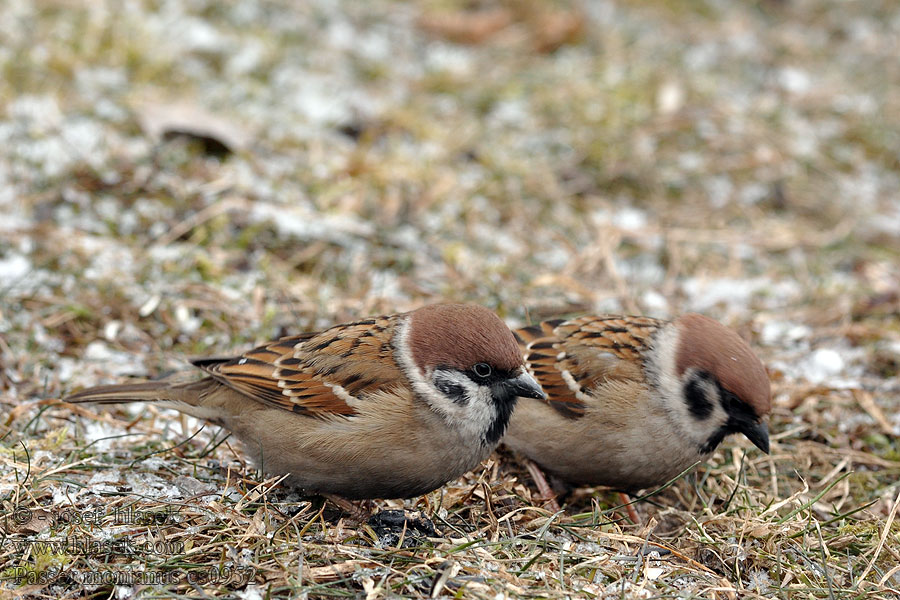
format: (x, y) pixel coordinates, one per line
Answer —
(707, 345)
(460, 336)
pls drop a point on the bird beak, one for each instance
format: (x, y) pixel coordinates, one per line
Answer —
(758, 433)
(526, 386)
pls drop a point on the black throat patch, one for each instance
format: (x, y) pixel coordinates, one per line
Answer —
(498, 426)
(504, 401)
(740, 419)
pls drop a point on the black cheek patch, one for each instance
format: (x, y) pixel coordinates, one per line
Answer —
(454, 391)
(696, 395)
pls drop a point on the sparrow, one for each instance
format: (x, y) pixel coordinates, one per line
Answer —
(386, 407)
(632, 402)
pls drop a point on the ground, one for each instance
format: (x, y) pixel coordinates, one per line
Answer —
(190, 178)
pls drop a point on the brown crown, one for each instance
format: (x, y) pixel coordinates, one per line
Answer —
(461, 335)
(707, 344)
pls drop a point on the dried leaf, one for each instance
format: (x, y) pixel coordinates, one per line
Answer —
(470, 27)
(553, 30)
(165, 121)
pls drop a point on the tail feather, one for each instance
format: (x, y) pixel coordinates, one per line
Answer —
(151, 391)
(129, 392)
(188, 398)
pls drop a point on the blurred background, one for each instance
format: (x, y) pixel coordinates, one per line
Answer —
(181, 178)
(192, 177)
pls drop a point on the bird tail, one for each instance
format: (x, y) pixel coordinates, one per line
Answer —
(152, 391)
(183, 397)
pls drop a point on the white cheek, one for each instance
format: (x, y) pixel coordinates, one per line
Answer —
(670, 393)
(699, 430)
(471, 418)
(661, 366)
(481, 410)
(474, 415)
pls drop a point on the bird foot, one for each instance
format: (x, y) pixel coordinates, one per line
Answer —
(357, 512)
(628, 505)
(547, 495)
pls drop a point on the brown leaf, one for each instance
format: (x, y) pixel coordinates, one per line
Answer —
(168, 120)
(552, 30)
(469, 27)
(23, 520)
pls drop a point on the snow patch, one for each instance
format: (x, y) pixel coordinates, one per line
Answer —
(105, 482)
(291, 222)
(152, 486)
(705, 294)
(115, 362)
(824, 364)
(780, 333)
(100, 435)
(13, 267)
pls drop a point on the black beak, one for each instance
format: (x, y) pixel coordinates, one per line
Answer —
(524, 385)
(758, 433)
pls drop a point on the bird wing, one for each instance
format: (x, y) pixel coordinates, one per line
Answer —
(315, 373)
(571, 358)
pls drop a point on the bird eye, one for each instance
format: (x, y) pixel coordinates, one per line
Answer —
(482, 370)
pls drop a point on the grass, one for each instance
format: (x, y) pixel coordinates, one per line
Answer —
(736, 159)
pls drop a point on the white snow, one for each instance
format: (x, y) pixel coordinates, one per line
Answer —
(151, 486)
(784, 332)
(115, 362)
(13, 267)
(823, 364)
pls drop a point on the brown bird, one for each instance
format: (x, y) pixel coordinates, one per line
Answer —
(388, 407)
(632, 401)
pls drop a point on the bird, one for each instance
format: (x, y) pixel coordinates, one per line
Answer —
(392, 406)
(633, 401)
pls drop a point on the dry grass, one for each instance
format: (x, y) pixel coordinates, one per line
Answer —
(738, 159)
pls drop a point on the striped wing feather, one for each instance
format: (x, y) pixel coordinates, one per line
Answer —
(591, 350)
(315, 373)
